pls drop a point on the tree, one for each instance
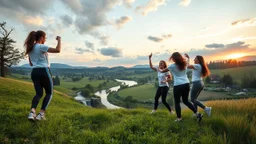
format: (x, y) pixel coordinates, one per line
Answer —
(227, 80)
(8, 54)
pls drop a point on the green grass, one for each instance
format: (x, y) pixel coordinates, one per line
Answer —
(79, 84)
(142, 92)
(70, 122)
(236, 73)
(147, 92)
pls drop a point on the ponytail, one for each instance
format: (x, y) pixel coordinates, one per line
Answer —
(31, 39)
(29, 42)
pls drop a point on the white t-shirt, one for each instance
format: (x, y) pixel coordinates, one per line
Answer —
(162, 77)
(39, 56)
(179, 77)
(196, 73)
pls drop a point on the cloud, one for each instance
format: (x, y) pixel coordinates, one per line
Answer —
(237, 45)
(155, 39)
(90, 14)
(89, 45)
(217, 54)
(128, 3)
(111, 51)
(122, 21)
(159, 39)
(24, 6)
(66, 20)
(185, 3)
(152, 5)
(102, 38)
(83, 50)
(214, 45)
(245, 22)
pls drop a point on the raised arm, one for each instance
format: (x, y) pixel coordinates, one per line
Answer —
(188, 60)
(58, 47)
(150, 63)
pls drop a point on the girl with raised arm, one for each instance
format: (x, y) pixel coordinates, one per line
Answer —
(200, 70)
(181, 84)
(163, 86)
(41, 76)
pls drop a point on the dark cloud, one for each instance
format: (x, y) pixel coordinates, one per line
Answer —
(90, 14)
(237, 45)
(111, 51)
(215, 45)
(102, 38)
(66, 20)
(25, 6)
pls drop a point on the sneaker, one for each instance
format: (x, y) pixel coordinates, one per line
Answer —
(172, 112)
(31, 115)
(208, 111)
(153, 111)
(193, 115)
(199, 117)
(40, 117)
(178, 120)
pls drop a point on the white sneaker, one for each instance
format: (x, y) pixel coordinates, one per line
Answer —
(208, 111)
(153, 111)
(31, 116)
(40, 117)
(178, 120)
(172, 112)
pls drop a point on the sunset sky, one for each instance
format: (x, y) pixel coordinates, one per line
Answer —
(124, 32)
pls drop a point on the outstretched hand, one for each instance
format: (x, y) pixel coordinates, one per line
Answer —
(150, 56)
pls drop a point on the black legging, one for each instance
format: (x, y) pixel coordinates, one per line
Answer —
(182, 91)
(42, 80)
(162, 91)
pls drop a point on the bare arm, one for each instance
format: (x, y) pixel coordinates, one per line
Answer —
(150, 63)
(191, 67)
(30, 63)
(164, 70)
(169, 77)
(58, 47)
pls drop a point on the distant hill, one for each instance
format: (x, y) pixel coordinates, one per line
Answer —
(53, 65)
(141, 66)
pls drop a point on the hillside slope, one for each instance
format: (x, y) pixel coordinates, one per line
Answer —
(70, 122)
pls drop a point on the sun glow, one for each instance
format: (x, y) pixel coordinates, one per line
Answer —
(235, 56)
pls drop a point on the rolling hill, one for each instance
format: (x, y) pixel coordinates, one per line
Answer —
(71, 122)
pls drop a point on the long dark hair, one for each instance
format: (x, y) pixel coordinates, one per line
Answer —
(31, 39)
(179, 60)
(205, 70)
(165, 64)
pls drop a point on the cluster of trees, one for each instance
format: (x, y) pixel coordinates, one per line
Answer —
(88, 91)
(230, 64)
(56, 81)
(249, 81)
(9, 55)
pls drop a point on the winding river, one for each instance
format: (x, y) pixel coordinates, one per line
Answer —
(103, 94)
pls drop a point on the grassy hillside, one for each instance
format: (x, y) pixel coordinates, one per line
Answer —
(147, 92)
(236, 73)
(71, 122)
